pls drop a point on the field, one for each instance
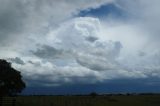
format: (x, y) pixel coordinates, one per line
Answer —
(109, 100)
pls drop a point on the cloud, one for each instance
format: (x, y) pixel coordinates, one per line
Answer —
(91, 38)
(68, 57)
(44, 41)
(48, 52)
(17, 60)
(145, 13)
(11, 19)
(62, 60)
(75, 59)
(23, 21)
(35, 15)
(101, 54)
(54, 75)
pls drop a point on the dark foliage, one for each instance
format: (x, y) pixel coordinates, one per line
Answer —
(93, 94)
(11, 81)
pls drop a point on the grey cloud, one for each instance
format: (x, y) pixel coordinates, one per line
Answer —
(54, 75)
(142, 53)
(145, 14)
(102, 57)
(11, 19)
(91, 38)
(98, 55)
(97, 60)
(17, 60)
(95, 64)
(30, 62)
(48, 52)
(19, 18)
(117, 48)
(79, 50)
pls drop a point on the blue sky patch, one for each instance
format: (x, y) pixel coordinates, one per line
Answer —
(104, 11)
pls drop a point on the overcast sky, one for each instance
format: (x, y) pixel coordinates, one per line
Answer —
(68, 42)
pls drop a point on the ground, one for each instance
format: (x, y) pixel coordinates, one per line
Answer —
(109, 100)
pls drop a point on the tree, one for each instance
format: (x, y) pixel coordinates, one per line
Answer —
(93, 94)
(11, 81)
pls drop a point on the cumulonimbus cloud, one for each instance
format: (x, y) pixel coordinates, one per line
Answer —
(62, 48)
(68, 56)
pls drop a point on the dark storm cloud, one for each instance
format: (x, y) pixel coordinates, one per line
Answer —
(111, 86)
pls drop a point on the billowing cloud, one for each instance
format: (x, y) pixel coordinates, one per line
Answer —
(44, 41)
(18, 17)
(66, 60)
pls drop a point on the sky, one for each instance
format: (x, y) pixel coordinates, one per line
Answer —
(80, 46)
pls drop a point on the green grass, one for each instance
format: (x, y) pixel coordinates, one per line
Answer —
(116, 100)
